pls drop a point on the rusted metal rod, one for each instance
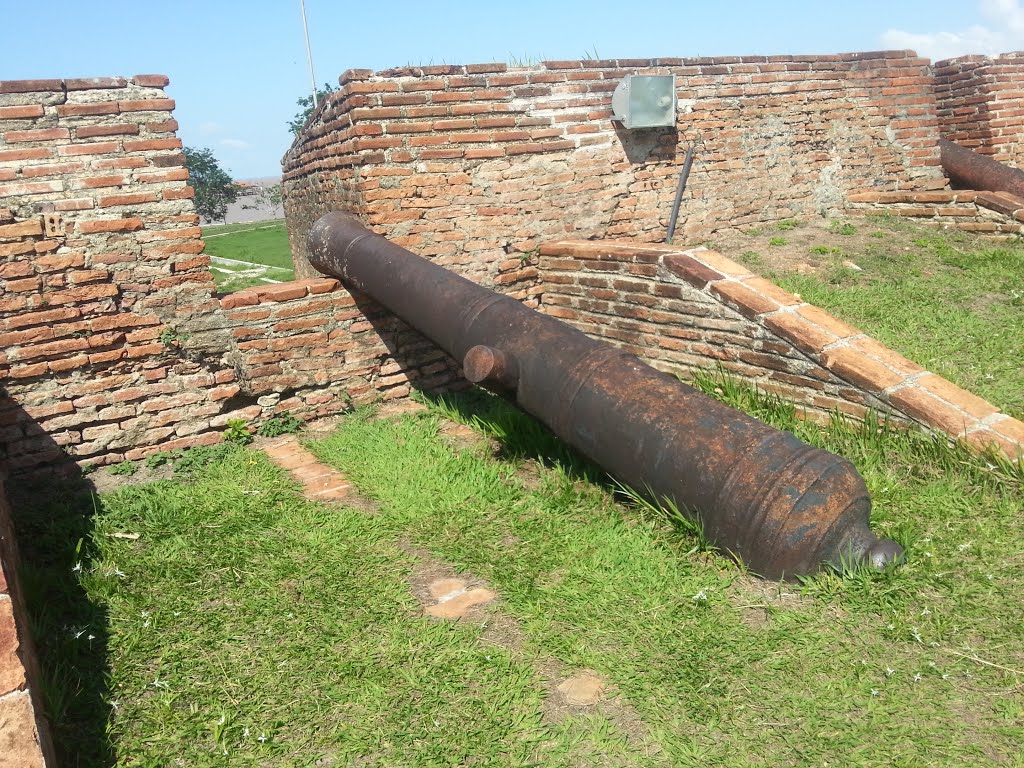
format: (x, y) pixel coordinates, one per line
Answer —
(782, 506)
(970, 170)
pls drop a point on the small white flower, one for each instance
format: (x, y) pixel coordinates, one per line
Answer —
(245, 732)
(917, 678)
(262, 738)
(889, 671)
(874, 691)
(158, 683)
(965, 546)
(120, 574)
(926, 612)
(915, 634)
(927, 554)
(701, 597)
(77, 568)
(223, 719)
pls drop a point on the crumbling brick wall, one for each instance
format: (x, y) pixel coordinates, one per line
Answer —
(473, 166)
(981, 104)
(113, 344)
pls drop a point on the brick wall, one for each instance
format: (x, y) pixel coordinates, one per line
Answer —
(24, 736)
(113, 344)
(473, 166)
(981, 104)
(684, 310)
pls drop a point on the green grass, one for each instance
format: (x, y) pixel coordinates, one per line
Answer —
(950, 303)
(259, 243)
(242, 611)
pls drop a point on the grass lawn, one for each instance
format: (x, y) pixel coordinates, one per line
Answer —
(243, 254)
(951, 302)
(218, 618)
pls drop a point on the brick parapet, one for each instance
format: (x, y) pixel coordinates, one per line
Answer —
(519, 155)
(113, 344)
(980, 102)
(24, 732)
(688, 309)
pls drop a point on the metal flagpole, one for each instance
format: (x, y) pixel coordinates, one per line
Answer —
(309, 53)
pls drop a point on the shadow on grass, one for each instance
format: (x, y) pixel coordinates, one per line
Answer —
(519, 435)
(53, 521)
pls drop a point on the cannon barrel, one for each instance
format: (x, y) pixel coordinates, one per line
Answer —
(971, 170)
(782, 506)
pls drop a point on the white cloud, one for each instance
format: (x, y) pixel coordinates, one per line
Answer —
(235, 144)
(1003, 33)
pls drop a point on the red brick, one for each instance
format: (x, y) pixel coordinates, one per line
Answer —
(282, 292)
(954, 395)
(81, 204)
(97, 182)
(152, 81)
(860, 370)
(931, 411)
(115, 129)
(36, 153)
(691, 270)
(150, 145)
(139, 198)
(146, 105)
(17, 113)
(82, 294)
(31, 188)
(802, 333)
(52, 169)
(178, 194)
(21, 229)
(37, 134)
(96, 108)
(92, 148)
(110, 225)
(15, 269)
(176, 174)
(30, 86)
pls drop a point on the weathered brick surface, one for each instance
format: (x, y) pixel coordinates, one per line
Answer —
(981, 104)
(113, 344)
(474, 171)
(24, 735)
(684, 310)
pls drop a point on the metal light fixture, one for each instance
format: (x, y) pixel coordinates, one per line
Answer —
(645, 101)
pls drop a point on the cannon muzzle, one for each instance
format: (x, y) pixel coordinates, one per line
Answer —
(782, 506)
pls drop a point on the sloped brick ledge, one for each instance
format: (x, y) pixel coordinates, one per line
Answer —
(890, 381)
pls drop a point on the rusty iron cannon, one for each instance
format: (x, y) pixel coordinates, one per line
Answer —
(972, 170)
(782, 506)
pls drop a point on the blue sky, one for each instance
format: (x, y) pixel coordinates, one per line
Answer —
(237, 66)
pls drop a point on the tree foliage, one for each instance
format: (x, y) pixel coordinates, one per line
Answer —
(306, 107)
(214, 188)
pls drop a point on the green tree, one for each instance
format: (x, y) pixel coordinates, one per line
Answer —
(214, 187)
(306, 107)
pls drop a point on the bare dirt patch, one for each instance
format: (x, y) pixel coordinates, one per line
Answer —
(808, 246)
